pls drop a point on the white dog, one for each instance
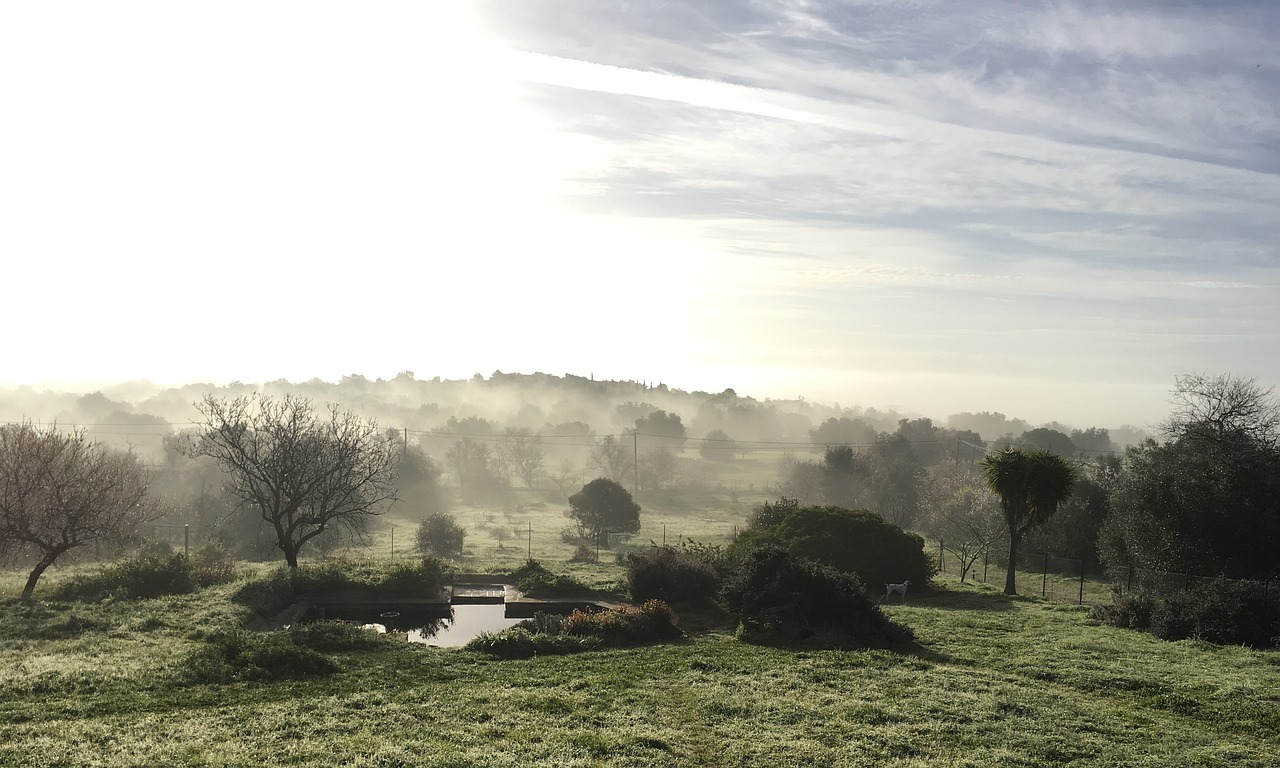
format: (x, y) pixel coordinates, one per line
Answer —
(901, 589)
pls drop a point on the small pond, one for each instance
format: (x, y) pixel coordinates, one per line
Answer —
(466, 622)
(439, 623)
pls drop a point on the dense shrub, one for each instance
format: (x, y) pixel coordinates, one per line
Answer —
(535, 580)
(408, 580)
(213, 564)
(625, 625)
(1130, 611)
(232, 655)
(670, 575)
(771, 513)
(581, 631)
(336, 636)
(851, 540)
(520, 643)
(774, 593)
(440, 534)
(584, 554)
(716, 556)
(371, 580)
(150, 575)
(1223, 611)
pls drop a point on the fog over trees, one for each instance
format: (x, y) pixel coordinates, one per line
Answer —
(489, 443)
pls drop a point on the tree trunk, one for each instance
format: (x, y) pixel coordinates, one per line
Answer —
(39, 570)
(290, 556)
(1010, 587)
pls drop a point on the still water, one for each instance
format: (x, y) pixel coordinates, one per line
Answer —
(464, 623)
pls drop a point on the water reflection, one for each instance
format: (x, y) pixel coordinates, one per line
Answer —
(462, 623)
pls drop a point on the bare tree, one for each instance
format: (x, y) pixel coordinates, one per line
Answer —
(567, 478)
(478, 469)
(303, 472)
(1221, 408)
(965, 516)
(658, 467)
(612, 458)
(522, 449)
(58, 491)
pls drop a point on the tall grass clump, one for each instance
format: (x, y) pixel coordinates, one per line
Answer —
(236, 654)
(152, 574)
(361, 580)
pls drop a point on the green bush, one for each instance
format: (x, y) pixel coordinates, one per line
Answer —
(774, 594)
(851, 540)
(284, 586)
(535, 580)
(236, 654)
(625, 625)
(136, 578)
(213, 564)
(519, 643)
(1129, 611)
(544, 623)
(545, 634)
(1224, 611)
(670, 575)
(771, 514)
(422, 580)
(336, 636)
(440, 534)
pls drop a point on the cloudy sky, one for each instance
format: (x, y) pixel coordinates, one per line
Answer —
(1047, 209)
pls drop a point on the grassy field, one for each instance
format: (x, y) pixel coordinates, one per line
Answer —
(992, 681)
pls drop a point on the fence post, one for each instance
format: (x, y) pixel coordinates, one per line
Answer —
(984, 564)
(940, 565)
(1080, 601)
(186, 540)
(1044, 576)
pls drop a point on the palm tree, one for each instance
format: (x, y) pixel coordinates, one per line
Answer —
(1031, 485)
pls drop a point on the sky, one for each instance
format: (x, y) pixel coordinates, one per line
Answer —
(1045, 209)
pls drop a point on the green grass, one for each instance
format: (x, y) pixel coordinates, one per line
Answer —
(993, 681)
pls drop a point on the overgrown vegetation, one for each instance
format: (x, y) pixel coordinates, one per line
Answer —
(237, 655)
(439, 534)
(990, 681)
(535, 580)
(852, 540)
(672, 575)
(779, 597)
(281, 587)
(545, 634)
(151, 574)
(1223, 611)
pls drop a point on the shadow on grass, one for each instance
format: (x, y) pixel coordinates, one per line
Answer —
(963, 600)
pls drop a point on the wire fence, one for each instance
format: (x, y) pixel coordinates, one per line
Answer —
(1071, 580)
(1063, 579)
